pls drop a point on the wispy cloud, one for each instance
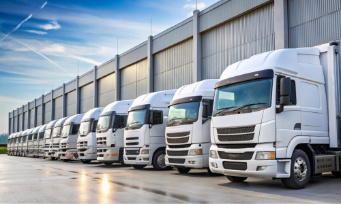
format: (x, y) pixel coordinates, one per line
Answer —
(42, 6)
(10, 99)
(194, 6)
(17, 27)
(53, 25)
(54, 48)
(36, 32)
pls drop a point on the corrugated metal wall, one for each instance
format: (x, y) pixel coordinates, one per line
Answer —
(32, 118)
(39, 115)
(20, 122)
(15, 123)
(134, 80)
(313, 22)
(86, 97)
(106, 90)
(26, 119)
(173, 66)
(58, 108)
(71, 103)
(48, 112)
(238, 39)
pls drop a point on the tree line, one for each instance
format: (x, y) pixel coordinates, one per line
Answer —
(3, 138)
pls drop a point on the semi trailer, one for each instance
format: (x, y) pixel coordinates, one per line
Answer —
(69, 136)
(110, 132)
(144, 135)
(86, 141)
(38, 144)
(188, 126)
(31, 139)
(55, 139)
(47, 137)
(277, 115)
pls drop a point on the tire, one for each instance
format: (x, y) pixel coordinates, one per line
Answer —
(182, 170)
(236, 179)
(138, 166)
(300, 172)
(121, 158)
(66, 160)
(159, 162)
(84, 161)
(337, 174)
(108, 163)
(211, 173)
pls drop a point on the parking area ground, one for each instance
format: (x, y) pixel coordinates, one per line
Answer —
(33, 180)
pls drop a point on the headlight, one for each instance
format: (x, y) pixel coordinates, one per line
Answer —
(195, 152)
(265, 155)
(213, 154)
(145, 151)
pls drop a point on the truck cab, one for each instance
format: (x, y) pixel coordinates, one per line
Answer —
(86, 142)
(55, 139)
(47, 138)
(188, 126)
(14, 139)
(23, 142)
(17, 147)
(30, 142)
(144, 135)
(9, 144)
(38, 145)
(69, 136)
(110, 132)
(276, 115)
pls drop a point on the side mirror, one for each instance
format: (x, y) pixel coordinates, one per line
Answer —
(156, 117)
(285, 89)
(205, 111)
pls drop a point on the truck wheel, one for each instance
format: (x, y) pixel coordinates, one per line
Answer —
(211, 173)
(337, 174)
(300, 172)
(138, 166)
(159, 162)
(121, 158)
(84, 161)
(236, 179)
(108, 163)
(65, 160)
(182, 170)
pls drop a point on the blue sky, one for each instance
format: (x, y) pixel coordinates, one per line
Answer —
(41, 44)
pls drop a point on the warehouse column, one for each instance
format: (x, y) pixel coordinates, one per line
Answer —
(64, 101)
(23, 118)
(150, 63)
(13, 130)
(42, 109)
(95, 88)
(9, 123)
(196, 47)
(52, 106)
(35, 113)
(28, 115)
(17, 120)
(117, 78)
(77, 96)
(281, 24)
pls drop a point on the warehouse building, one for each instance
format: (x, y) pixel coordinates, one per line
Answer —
(198, 48)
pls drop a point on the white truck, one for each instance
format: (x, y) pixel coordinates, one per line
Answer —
(9, 144)
(47, 138)
(69, 136)
(55, 139)
(38, 145)
(18, 144)
(110, 132)
(188, 126)
(144, 135)
(277, 115)
(13, 145)
(86, 142)
(31, 138)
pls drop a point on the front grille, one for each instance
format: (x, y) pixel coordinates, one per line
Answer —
(132, 143)
(236, 146)
(176, 161)
(63, 145)
(133, 152)
(101, 150)
(241, 137)
(55, 145)
(178, 134)
(179, 146)
(81, 144)
(100, 155)
(131, 158)
(177, 153)
(236, 130)
(235, 165)
(132, 138)
(178, 140)
(236, 156)
(101, 140)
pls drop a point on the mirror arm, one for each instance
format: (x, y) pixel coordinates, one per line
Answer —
(280, 109)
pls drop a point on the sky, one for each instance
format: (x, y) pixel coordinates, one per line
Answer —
(45, 43)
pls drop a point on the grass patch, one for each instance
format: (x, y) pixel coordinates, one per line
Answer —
(3, 150)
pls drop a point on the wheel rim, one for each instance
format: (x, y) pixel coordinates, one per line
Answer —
(161, 161)
(300, 169)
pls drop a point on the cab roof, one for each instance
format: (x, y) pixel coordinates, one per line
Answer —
(42, 128)
(60, 122)
(203, 88)
(118, 106)
(74, 119)
(51, 124)
(93, 113)
(159, 99)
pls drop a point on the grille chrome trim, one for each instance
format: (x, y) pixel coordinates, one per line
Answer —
(177, 153)
(178, 140)
(178, 134)
(236, 146)
(236, 156)
(236, 130)
(176, 161)
(241, 137)
(242, 166)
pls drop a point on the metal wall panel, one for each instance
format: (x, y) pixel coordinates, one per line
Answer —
(58, 92)
(86, 98)
(20, 122)
(58, 108)
(106, 90)
(25, 120)
(133, 55)
(47, 97)
(32, 118)
(48, 112)
(237, 40)
(39, 101)
(134, 80)
(15, 124)
(39, 115)
(71, 103)
(25, 107)
(173, 35)
(313, 22)
(173, 66)
(86, 78)
(31, 105)
(70, 86)
(106, 68)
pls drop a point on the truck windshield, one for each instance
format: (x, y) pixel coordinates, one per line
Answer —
(104, 123)
(30, 137)
(84, 129)
(136, 119)
(56, 131)
(66, 130)
(181, 114)
(41, 135)
(47, 133)
(245, 95)
(35, 136)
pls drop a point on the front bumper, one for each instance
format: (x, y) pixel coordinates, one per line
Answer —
(110, 154)
(69, 155)
(87, 153)
(196, 162)
(136, 159)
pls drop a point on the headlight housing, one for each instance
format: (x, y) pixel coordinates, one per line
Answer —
(145, 151)
(213, 154)
(265, 155)
(195, 152)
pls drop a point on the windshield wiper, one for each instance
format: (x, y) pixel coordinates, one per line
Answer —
(173, 120)
(247, 105)
(224, 110)
(134, 123)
